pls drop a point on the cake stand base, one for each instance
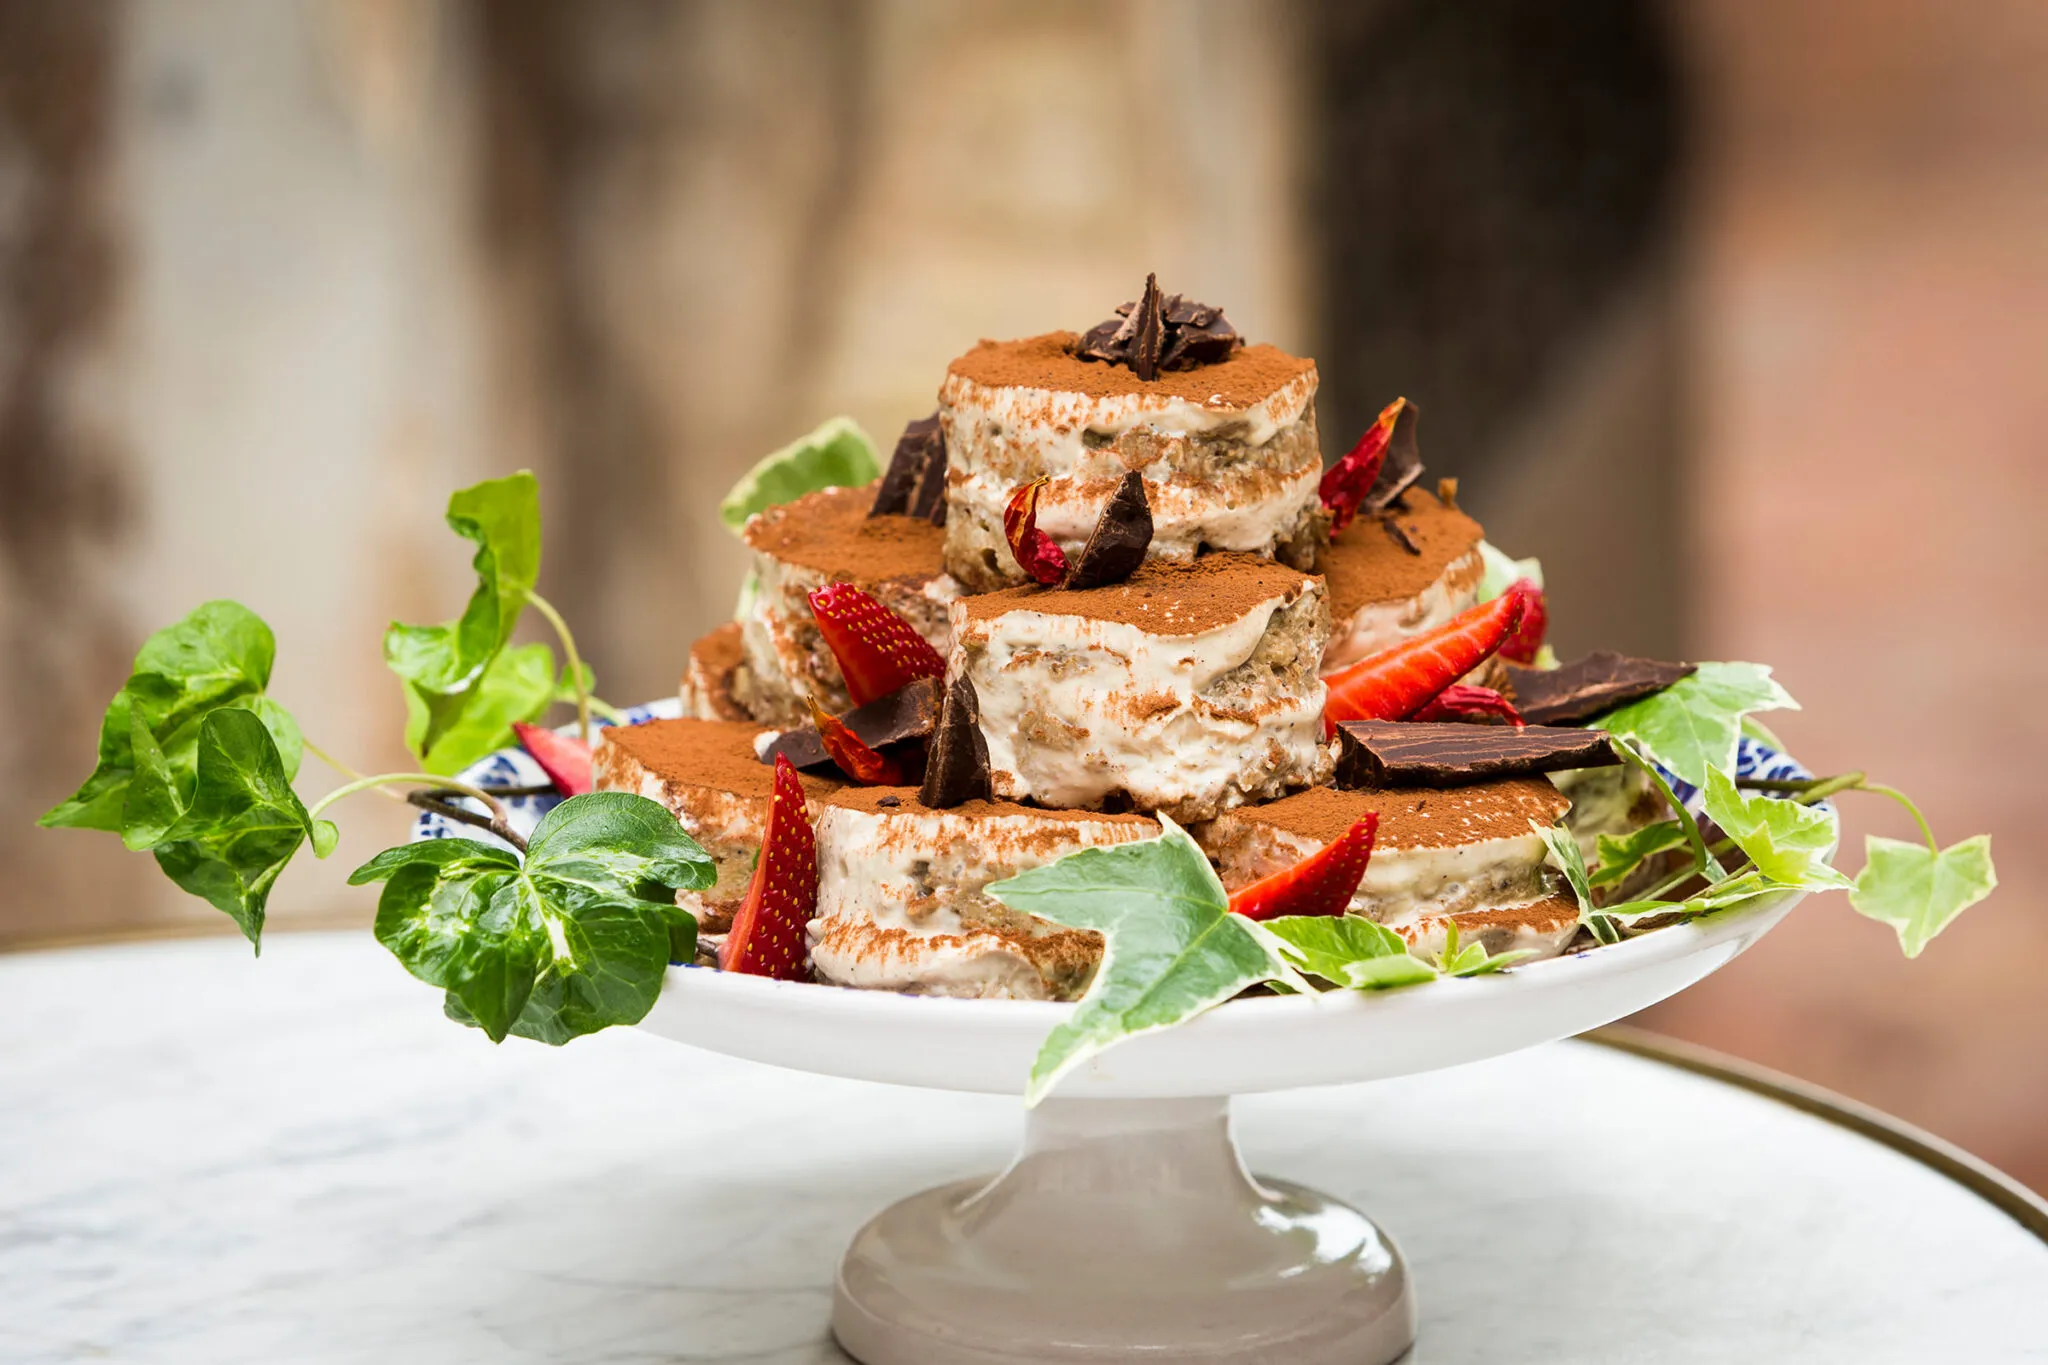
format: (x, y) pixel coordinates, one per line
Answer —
(1124, 1231)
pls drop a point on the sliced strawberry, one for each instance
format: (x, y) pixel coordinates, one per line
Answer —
(565, 759)
(859, 762)
(1528, 637)
(1394, 685)
(1036, 553)
(1321, 884)
(1346, 482)
(1463, 701)
(767, 937)
(878, 651)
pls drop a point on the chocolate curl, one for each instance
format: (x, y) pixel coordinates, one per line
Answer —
(915, 484)
(1116, 547)
(1036, 553)
(1148, 332)
(957, 767)
(1464, 701)
(1380, 468)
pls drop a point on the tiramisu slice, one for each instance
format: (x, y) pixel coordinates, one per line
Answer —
(830, 537)
(1186, 688)
(1395, 576)
(1228, 451)
(1464, 855)
(900, 903)
(708, 773)
(716, 677)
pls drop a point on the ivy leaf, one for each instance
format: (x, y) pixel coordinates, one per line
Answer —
(1917, 890)
(1617, 857)
(1472, 959)
(1566, 857)
(1171, 947)
(838, 454)
(442, 665)
(1349, 950)
(573, 938)
(518, 685)
(219, 655)
(1693, 724)
(1788, 842)
(243, 824)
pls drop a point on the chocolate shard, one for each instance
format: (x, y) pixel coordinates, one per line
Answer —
(956, 767)
(910, 712)
(1407, 753)
(915, 484)
(1116, 547)
(1589, 687)
(1398, 533)
(1402, 466)
(1185, 335)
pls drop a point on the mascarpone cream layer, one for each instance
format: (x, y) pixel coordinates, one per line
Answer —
(900, 903)
(1379, 626)
(1541, 928)
(1076, 710)
(1224, 477)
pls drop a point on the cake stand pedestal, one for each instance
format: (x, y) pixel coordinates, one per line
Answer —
(1125, 1230)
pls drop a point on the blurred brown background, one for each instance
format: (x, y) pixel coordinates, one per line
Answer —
(1737, 314)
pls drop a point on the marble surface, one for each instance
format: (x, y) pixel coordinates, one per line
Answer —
(211, 1159)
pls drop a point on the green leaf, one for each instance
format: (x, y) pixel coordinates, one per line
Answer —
(1349, 950)
(442, 665)
(574, 938)
(243, 824)
(1788, 842)
(219, 655)
(838, 454)
(1617, 857)
(1171, 947)
(1917, 890)
(1501, 571)
(1693, 724)
(1566, 857)
(518, 685)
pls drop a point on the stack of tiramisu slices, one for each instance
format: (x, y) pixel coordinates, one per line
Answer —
(1108, 582)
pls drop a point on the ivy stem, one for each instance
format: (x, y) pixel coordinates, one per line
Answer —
(554, 618)
(448, 810)
(1703, 860)
(331, 761)
(497, 807)
(1895, 794)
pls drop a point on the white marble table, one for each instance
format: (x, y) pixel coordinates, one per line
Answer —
(210, 1159)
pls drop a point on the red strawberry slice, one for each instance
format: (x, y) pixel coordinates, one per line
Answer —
(1463, 701)
(565, 759)
(1527, 638)
(1321, 884)
(853, 755)
(1036, 552)
(1346, 482)
(767, 937)
(1394, 685)
(878, 651)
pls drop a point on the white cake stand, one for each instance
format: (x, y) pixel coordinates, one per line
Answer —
(1127, 1228)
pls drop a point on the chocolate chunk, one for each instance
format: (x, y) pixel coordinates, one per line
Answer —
(1116, 547)
(910, 712)
(1407, 753)
(891, 801)
(1156, 332)
(915, 485)
(1402, 465)
(1399, 535)
(1589, 687)
(956, 768)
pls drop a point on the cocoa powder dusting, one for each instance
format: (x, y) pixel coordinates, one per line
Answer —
(1416, 817)
(830, 532)
(714, 754)
(1363, 566)
(1164, 597)
(1049, 362)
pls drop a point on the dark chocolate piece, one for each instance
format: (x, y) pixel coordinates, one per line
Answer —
(956, 767)
(1399, 535)
(910, 712)
(1589, 687)
(1402, 465)
(1186, 335)
(1408, 753)
(1116, 547)
(890, 801)
(915, 485)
